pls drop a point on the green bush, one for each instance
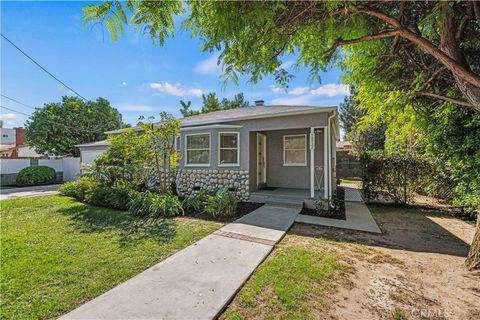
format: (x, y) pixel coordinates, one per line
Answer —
(152, 205)
(198, 201)
(116, 197)
(78, 189)
(222, 204)
(36, 175)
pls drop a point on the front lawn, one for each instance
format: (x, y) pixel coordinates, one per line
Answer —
(293, 283)
(58, 253)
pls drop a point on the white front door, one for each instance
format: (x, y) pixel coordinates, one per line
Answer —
(261, 160)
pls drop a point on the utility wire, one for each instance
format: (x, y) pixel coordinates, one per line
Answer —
(14, 100)
(15, 111)
(48, 72)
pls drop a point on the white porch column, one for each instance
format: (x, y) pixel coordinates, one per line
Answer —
(325, 162)
(312, 162)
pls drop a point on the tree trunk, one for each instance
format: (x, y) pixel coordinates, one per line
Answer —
(452, 48)
(473, 258)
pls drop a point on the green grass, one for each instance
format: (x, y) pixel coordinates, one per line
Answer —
(292, 284)
(57, 253)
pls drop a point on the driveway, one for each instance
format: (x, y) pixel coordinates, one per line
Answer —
(26, 192)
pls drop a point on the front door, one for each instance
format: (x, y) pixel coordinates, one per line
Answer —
(261, 160)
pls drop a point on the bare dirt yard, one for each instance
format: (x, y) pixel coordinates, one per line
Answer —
(412, 271)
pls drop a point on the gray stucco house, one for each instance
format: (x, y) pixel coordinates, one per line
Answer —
(262, 152)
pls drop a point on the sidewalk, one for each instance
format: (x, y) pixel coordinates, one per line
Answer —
(198, 281)
(25, 192)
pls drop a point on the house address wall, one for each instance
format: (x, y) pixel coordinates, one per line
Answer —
(193, 180)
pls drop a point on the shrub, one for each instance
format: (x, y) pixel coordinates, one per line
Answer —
(36, 175)
(397, 177)
(154, 205)
(198, 201)
(116, 197)
(78, 189)
(223, 204)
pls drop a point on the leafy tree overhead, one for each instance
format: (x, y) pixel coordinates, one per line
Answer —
(210, 103)
(59, 126)
(444, 33)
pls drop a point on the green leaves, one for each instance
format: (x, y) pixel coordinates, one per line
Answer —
(58, 127)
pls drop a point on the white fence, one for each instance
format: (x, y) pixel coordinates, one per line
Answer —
(70, 167)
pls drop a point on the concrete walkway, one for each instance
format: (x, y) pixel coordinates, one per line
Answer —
(198, 281)
(26, 192)
(358, 217)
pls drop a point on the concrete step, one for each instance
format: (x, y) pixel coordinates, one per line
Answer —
(294, 201)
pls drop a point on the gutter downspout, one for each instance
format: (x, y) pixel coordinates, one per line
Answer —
(330, 154)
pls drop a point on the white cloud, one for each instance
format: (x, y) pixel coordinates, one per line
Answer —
(11, 120)
(300, 100)
(208, 66)
(327, 90)
(124, 83)
(134, 107)
(277, 89)
(177, 89)
(298, 91)
(331, 90)
(287, 64)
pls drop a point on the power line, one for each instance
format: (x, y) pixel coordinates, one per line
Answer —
(48, 72)
(14, 100)
(15, 111)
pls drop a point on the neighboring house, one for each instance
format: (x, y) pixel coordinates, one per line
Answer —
(255, 149)
(13, 146)
(344, 146)
(89, 151)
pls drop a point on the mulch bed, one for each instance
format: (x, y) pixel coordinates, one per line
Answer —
(243, 208)
(337, 214)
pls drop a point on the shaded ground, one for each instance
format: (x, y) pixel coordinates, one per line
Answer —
(411, 271)
(58, 253)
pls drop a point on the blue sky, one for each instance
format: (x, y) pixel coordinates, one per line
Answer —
(137, 77)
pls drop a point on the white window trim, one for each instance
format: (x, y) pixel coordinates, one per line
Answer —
(237, 164)
(209, 150)
(304, 164)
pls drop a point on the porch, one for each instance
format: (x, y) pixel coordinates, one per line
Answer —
(289, 196)
(291, 165)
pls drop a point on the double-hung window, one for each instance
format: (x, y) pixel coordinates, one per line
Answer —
(197, 150)
(228, 149)
(295, 150)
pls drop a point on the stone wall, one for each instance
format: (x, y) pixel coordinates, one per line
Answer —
(193, 180)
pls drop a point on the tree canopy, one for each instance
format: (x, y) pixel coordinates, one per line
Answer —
(211, 103)
(59, 126)
(438, 40)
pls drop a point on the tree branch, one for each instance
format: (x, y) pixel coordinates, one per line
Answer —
(341, 42)
(476, 10)
(444, 98)
(456, 68)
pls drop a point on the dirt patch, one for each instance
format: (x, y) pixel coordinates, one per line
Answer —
(413, 270)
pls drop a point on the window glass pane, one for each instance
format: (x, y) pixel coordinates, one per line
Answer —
(295, 142)
(198, 156)
(228, 156)
(295, 156)
(228, 140)
(198, 141)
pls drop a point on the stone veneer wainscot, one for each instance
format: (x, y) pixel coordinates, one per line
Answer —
(193, 180)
